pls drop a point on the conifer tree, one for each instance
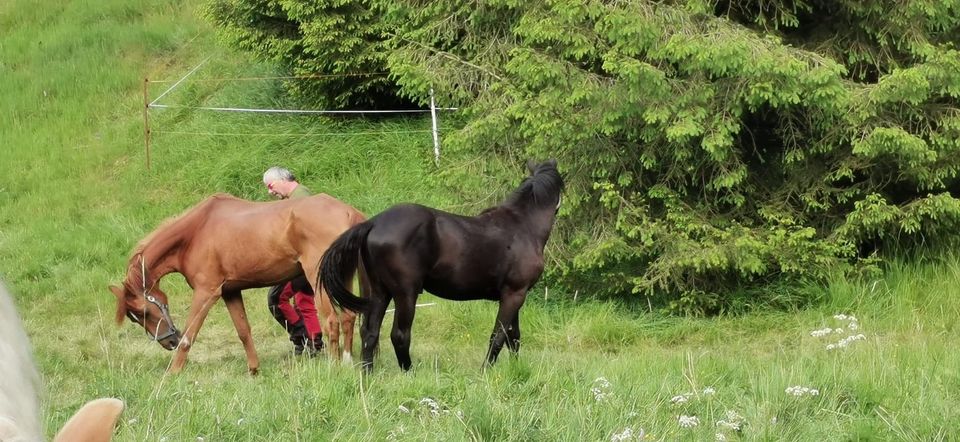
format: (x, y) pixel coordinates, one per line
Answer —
(710, 146)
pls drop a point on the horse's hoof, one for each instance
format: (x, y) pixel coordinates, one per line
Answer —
(347, 357)
(254, 371)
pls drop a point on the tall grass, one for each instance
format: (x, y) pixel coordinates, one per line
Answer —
(76, 197)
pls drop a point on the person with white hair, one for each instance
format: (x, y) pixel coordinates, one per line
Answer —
(282, 184)
(300, 319)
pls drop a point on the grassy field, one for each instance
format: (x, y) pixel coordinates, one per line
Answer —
(75, 197)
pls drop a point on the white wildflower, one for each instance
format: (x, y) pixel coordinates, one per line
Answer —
(598, 394)
(734, 416)
(799, 391)
(200, 439)
(681, 398)
(821, 332)
(845, 342)
(627, 434)
(433, 405)
(395, 433)
(735, 426)
(851, 327)
(404, 409)
(688, 421)
(732, 421)
(709, 391)
(842, 317)
(720, 437)
(600, 389)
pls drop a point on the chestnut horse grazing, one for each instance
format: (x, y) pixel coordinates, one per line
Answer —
(224, 245)
(496, 255)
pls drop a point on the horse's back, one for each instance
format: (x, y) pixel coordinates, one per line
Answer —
(241, 240)
(455, 256)
(323, 204)
(409, 215)
(403, 236)
(404, 223)
(232, 210)
(321, 218)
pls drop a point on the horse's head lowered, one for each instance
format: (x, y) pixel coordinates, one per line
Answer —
(147, 307)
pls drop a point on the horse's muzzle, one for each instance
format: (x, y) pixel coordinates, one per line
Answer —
(170, 342)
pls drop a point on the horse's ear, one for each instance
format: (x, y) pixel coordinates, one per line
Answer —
(121, 303)
(94, 422)
(531, 166)
(552, 163)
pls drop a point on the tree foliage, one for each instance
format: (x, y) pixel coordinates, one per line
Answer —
(710, 146)
(337, 41)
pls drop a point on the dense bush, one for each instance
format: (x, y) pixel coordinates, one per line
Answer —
(710, 147)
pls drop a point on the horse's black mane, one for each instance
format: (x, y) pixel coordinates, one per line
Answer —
(539, 189)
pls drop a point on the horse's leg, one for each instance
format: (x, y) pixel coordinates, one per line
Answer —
(370, 327)
(405, 304)
(238, 314)
(348, 320)
(199, 308)
(513, 334)
(329, 321)
(510, 304)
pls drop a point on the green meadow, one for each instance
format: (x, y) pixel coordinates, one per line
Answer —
(76, 196)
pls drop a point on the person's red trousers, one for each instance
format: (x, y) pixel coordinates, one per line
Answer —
(305, 306)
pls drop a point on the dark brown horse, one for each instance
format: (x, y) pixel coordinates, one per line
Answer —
(497, 255)
(224, 245)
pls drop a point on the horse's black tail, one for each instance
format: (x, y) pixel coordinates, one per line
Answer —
(341, 259)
